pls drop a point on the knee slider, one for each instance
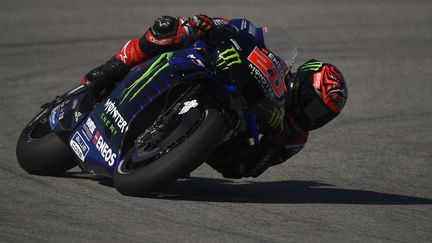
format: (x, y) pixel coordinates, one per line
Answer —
(164, 27)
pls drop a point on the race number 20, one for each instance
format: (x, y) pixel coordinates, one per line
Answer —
(269, 70)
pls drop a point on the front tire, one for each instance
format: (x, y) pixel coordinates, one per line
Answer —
(41, 152)
(179, 161)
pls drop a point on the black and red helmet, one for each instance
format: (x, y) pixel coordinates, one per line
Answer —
(317, 94)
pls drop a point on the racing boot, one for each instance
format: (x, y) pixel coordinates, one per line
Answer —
(104, 77)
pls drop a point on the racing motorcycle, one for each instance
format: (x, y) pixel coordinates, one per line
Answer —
(167, 116)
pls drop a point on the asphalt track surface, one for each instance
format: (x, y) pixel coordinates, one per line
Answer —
(364, 178)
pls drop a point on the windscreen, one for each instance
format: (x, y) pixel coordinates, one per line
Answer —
(280, 42)
(276, 39)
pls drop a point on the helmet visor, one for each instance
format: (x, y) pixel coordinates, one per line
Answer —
(314, 114)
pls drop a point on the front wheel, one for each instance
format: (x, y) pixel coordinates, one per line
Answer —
(41, 152)
(185, 157)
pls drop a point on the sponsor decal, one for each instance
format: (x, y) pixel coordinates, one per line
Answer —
(187, 106)
(138, 85)
(123, 54)
(262, 81)
(91, 125)
(195, 60)
(164, 22)
(273, 74)
(161, 42)
(61, 114)
(228, 58)
(79, 146)
(192, 56)
(54, 117)
(57, 114)
(243, 25)
(218, 22)
(105, 151)
(311, 66)
(276, 118)
(317, 80)
(96, 137)
(108, 124)
(236, 45)
(186, 26)
(111, 112)
(77, 115)
(279, 64)
(88, 129)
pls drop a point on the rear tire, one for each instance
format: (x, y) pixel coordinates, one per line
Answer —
(43, 155)
(178, 162)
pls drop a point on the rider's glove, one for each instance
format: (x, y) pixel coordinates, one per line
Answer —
(270, 145)
(247, 162)
(275, 149)
(201, 25)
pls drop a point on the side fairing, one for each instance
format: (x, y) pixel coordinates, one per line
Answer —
(98, 139)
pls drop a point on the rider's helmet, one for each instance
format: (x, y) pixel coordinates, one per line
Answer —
(317, 93)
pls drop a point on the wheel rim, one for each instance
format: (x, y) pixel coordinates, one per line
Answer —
(124, 166)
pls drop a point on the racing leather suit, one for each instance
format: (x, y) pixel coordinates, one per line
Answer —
(171, 33)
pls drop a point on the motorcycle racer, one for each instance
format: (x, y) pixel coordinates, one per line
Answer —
(315, 94)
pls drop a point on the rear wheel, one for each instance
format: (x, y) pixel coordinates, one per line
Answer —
(41, 152)
(201, 134)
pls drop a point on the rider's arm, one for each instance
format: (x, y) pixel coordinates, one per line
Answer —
(237, 159)
(166, 34)
(276, 150)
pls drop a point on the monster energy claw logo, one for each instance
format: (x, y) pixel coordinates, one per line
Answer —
(228, 58)
(276, 117)
(311, 66)
(155, 68)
